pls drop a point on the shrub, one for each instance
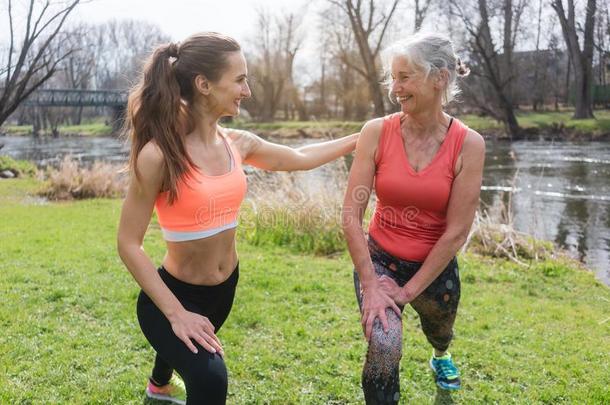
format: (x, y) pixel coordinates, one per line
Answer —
(493, 234)
(20, 168)
(283, 209)
(72, 181)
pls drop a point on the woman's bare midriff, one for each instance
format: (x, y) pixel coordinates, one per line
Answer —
(208, 261)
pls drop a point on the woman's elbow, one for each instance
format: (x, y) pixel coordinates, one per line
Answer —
(458, 237)
(349, 221)
(120, 247)
(123, 246)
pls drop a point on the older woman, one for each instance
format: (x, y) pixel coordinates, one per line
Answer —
(427, 168)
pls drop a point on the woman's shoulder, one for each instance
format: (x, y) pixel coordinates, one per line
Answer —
(473, 141)
(150, 162)
(471, 150)
(150, 155)
(374, 125)
(244, 141)
(371, 137)
(371, 132)
(466, 138)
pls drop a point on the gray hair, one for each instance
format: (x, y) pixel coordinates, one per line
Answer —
(429, 53)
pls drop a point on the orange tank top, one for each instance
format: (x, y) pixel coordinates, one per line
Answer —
(205, 205)
(411, 211)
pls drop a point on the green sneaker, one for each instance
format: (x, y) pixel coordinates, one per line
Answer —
(446, 373)
(174, 392)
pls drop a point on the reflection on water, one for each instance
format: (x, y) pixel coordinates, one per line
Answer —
(560, 191)
(49, 151)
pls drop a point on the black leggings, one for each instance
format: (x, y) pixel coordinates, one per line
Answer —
(204, 373)
(436, 307)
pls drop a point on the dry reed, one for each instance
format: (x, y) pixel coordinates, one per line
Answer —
(73, 181)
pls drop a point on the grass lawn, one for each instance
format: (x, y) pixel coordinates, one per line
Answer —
(88, 129)
(70, 334)
(543, 120)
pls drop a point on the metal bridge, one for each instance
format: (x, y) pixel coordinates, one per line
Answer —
(77, 98)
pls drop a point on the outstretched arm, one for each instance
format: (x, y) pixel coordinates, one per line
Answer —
(266, 155)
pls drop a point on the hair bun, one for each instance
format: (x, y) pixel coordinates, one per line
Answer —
(172, 50)
(461, 69)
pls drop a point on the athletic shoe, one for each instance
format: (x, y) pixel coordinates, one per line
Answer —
(173, 392)
(446, 373)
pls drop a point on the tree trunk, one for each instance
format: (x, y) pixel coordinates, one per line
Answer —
(582, 61)
(583, 92)
(377, 95)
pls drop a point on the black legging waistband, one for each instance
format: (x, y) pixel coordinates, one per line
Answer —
(395, 263)
(197, 292)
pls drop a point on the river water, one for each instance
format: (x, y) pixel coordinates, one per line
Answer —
(559, 191)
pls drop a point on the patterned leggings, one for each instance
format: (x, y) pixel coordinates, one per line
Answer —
(436, 307)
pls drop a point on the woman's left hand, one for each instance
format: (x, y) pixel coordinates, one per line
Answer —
(398, 294)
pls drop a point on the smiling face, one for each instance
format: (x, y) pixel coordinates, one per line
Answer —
(413, 90)
(224, 96)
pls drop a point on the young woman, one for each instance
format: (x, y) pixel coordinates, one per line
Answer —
(427, 168)
(189, 169)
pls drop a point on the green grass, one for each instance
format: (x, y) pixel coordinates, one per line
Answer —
(479, 123)
(21, 168)
(545, 120)
(89, 129)
(601, 123)
(17, 130)
(303, 229)
(294, 125)
(93, 129)
(70, 334)
(542, 120)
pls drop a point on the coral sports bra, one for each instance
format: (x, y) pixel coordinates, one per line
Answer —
(205, 205)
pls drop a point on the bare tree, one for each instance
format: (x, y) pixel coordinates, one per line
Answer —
(321, 107)
(347, 92)
(277, 43)
(491, 63)
(291, 41)
(602, 41)
(421, 9)
(537, 97)
(79, 67)
(582, 59)
(369, 25)
(121, 46)
(35, 58)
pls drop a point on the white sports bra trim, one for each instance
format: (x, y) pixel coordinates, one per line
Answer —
(182, 236)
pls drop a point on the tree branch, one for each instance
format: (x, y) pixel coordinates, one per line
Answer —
(385, 27)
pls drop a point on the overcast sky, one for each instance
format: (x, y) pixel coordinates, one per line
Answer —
(181, 18)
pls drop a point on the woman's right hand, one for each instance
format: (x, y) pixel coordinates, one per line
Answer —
(374, 304)
(190, 325)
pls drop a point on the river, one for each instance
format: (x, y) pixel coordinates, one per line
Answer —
(560, 191)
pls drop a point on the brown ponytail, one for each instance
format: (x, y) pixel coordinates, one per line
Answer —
(159, 108)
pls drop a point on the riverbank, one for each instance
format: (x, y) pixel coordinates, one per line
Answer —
(556, 126)
(70, 335)
(552, 126)
(88, 129)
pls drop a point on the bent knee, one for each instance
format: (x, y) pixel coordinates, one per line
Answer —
(207, 376)
(386, 346)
